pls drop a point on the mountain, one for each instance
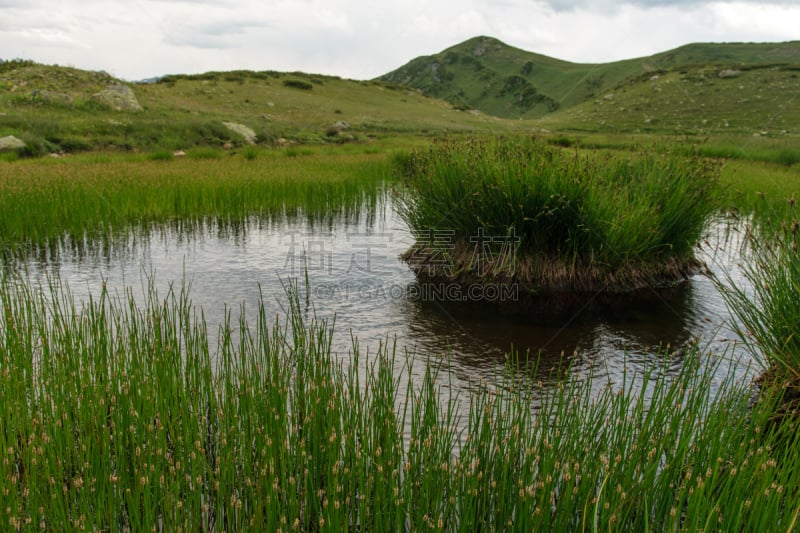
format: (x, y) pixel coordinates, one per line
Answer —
(486, 74)
(481, 86)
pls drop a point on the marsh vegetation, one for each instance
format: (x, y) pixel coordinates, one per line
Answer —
(566, 221)
(118, 412)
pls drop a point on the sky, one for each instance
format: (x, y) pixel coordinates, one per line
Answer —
(138, 39)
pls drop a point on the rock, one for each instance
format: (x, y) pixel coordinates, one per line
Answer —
(248, 134)
(342, 125)
(227, 146)
(10, 142)
(119, 98)
(729, 73)
(178, 153)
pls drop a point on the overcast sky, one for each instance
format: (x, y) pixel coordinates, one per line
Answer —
(136, 39)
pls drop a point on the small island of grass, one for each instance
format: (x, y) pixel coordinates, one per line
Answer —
(554, 221)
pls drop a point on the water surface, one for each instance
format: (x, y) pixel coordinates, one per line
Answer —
(357, 281)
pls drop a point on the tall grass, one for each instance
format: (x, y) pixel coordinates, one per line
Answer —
(768, 310)
(579, 221)
(42, 202)
(120, 416)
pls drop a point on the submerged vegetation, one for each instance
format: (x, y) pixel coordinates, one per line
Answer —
(118, 415)
(564, 221)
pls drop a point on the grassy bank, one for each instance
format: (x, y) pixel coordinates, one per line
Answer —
(116, 415)
(561, 220)
(100, 196)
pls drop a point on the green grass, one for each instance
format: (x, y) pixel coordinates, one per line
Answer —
(757, 188)
(678, 89)
(119, 415)
(52, 108)
(694, 102)
(768, 313)
(575, 221)
(99, 197)
(677, 95)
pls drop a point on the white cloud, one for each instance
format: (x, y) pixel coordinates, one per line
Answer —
(142, 38)
(606, 5)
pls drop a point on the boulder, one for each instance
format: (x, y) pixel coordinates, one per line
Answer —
(10, 143)
(248, 134)
(729, 73)
(118, 97)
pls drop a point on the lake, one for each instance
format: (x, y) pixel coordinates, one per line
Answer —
(357, 281)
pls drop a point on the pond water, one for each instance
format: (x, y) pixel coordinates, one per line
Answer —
(356, 277)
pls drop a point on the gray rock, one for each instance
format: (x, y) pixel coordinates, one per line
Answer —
(118, 97)
(10, 142)
(342, 125)
(248, 134)
(729, 73)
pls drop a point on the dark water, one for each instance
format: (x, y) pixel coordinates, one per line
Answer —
(357, 279)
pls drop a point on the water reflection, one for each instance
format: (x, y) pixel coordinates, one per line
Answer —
(356, 278)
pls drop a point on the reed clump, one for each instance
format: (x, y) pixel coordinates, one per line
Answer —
(118, 415)
(767, 307)
(554, 220)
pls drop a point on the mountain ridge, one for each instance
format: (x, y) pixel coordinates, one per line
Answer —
(489, 75)
(482, 86)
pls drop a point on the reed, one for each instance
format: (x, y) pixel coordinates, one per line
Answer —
(100, 197)
(118, 415)
(574, 221)
(767, 307)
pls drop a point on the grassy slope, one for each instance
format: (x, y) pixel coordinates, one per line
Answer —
(675, 92)
(475, 73)
(695, 101)
(53, 106)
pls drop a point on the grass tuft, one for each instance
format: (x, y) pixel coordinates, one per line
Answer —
(569, 221)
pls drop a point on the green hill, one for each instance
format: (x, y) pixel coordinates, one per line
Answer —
(479, 86)
(751, 100)
(486, 74)
(58, 108)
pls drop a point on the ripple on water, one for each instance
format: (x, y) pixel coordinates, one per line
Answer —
(357, 279)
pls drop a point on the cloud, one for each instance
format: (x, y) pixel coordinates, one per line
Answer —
(614, 5)
(16, 3)
(218, 34)
(142, 38)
